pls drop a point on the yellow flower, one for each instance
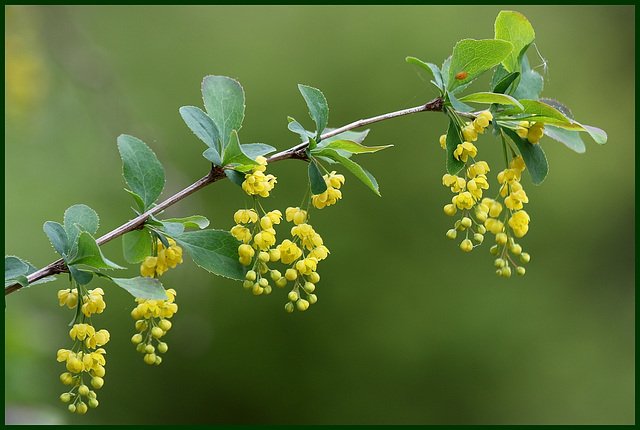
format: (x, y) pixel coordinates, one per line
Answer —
(257, 183)
(465, 150)
(68, 297)
(241, 233)
(289, 251)
(519, 223)
(443, 141)
(517, 197)
(493, 225)
(93, 302)
(264, 239)
(243, 216)
(464, 200)
(469, 133)
(297, 215)
(517, 164)
(81, 331)
(479, 168)
(332, 194)
(456, 183)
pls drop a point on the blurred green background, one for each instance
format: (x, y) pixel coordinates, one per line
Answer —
(407, 329)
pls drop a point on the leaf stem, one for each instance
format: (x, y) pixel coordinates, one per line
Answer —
(216, 174)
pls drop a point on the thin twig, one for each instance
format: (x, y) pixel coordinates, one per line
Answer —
(216, 174)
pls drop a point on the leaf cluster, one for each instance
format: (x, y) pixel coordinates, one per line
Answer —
(514, 96)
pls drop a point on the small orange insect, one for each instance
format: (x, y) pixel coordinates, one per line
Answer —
(461, 75)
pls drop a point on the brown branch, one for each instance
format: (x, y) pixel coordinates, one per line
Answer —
(216, 174)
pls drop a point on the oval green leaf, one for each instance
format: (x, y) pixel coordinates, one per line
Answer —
(316, 181)
(214, 250)
(202, 125)
(318, 107)
(224, 102)
(141, 169)
(515, 28)
(474, 57)
(489, 98)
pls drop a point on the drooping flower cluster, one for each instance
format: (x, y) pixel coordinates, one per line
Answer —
(152, 323)
(301, 252)
(481, 214)
(332, 194)
(156, 265)
(86, 357)
(152, 316)
(256, 182)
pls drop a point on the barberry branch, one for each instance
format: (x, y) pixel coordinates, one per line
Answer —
(298, 151)
(216, 174)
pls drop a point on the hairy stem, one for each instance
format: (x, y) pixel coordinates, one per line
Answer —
(216, 174)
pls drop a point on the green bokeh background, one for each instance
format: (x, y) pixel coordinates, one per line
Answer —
(407, 329)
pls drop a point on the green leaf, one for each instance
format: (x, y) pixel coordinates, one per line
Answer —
(224, 101)
(502, 79)
(355, 136)
(530, 85)
(172, 228)
(533, 156)
(138, 200)
(296, 127)
(354, 147)
(202, 126)
(137, 245)
(79, 218)
(214, 250)
(435, 71)
(486, 97)
(193, 221)
(539, 111)
(212, 155)
(142, 170)
(597, 134)
(141, 287)
(13, 268)
(89, 253)
(316, 181)
(515, 28)
(475, 57)
(570, 138)
(82, 277)
(254, 150)
(360, 172)
(318, 108)
(456, 104)
(16, 270)
(233, 155)
(235, 177)
(57, 236)
(453, 140)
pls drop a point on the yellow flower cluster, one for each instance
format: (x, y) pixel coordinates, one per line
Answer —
(256, 182)
(262, 233)
(513, 197)
(87, 354)
(532, 131)
(156, 265)
(258, 248)
(481, 214)
(302, 253)
(152, 323)
(332, 194)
